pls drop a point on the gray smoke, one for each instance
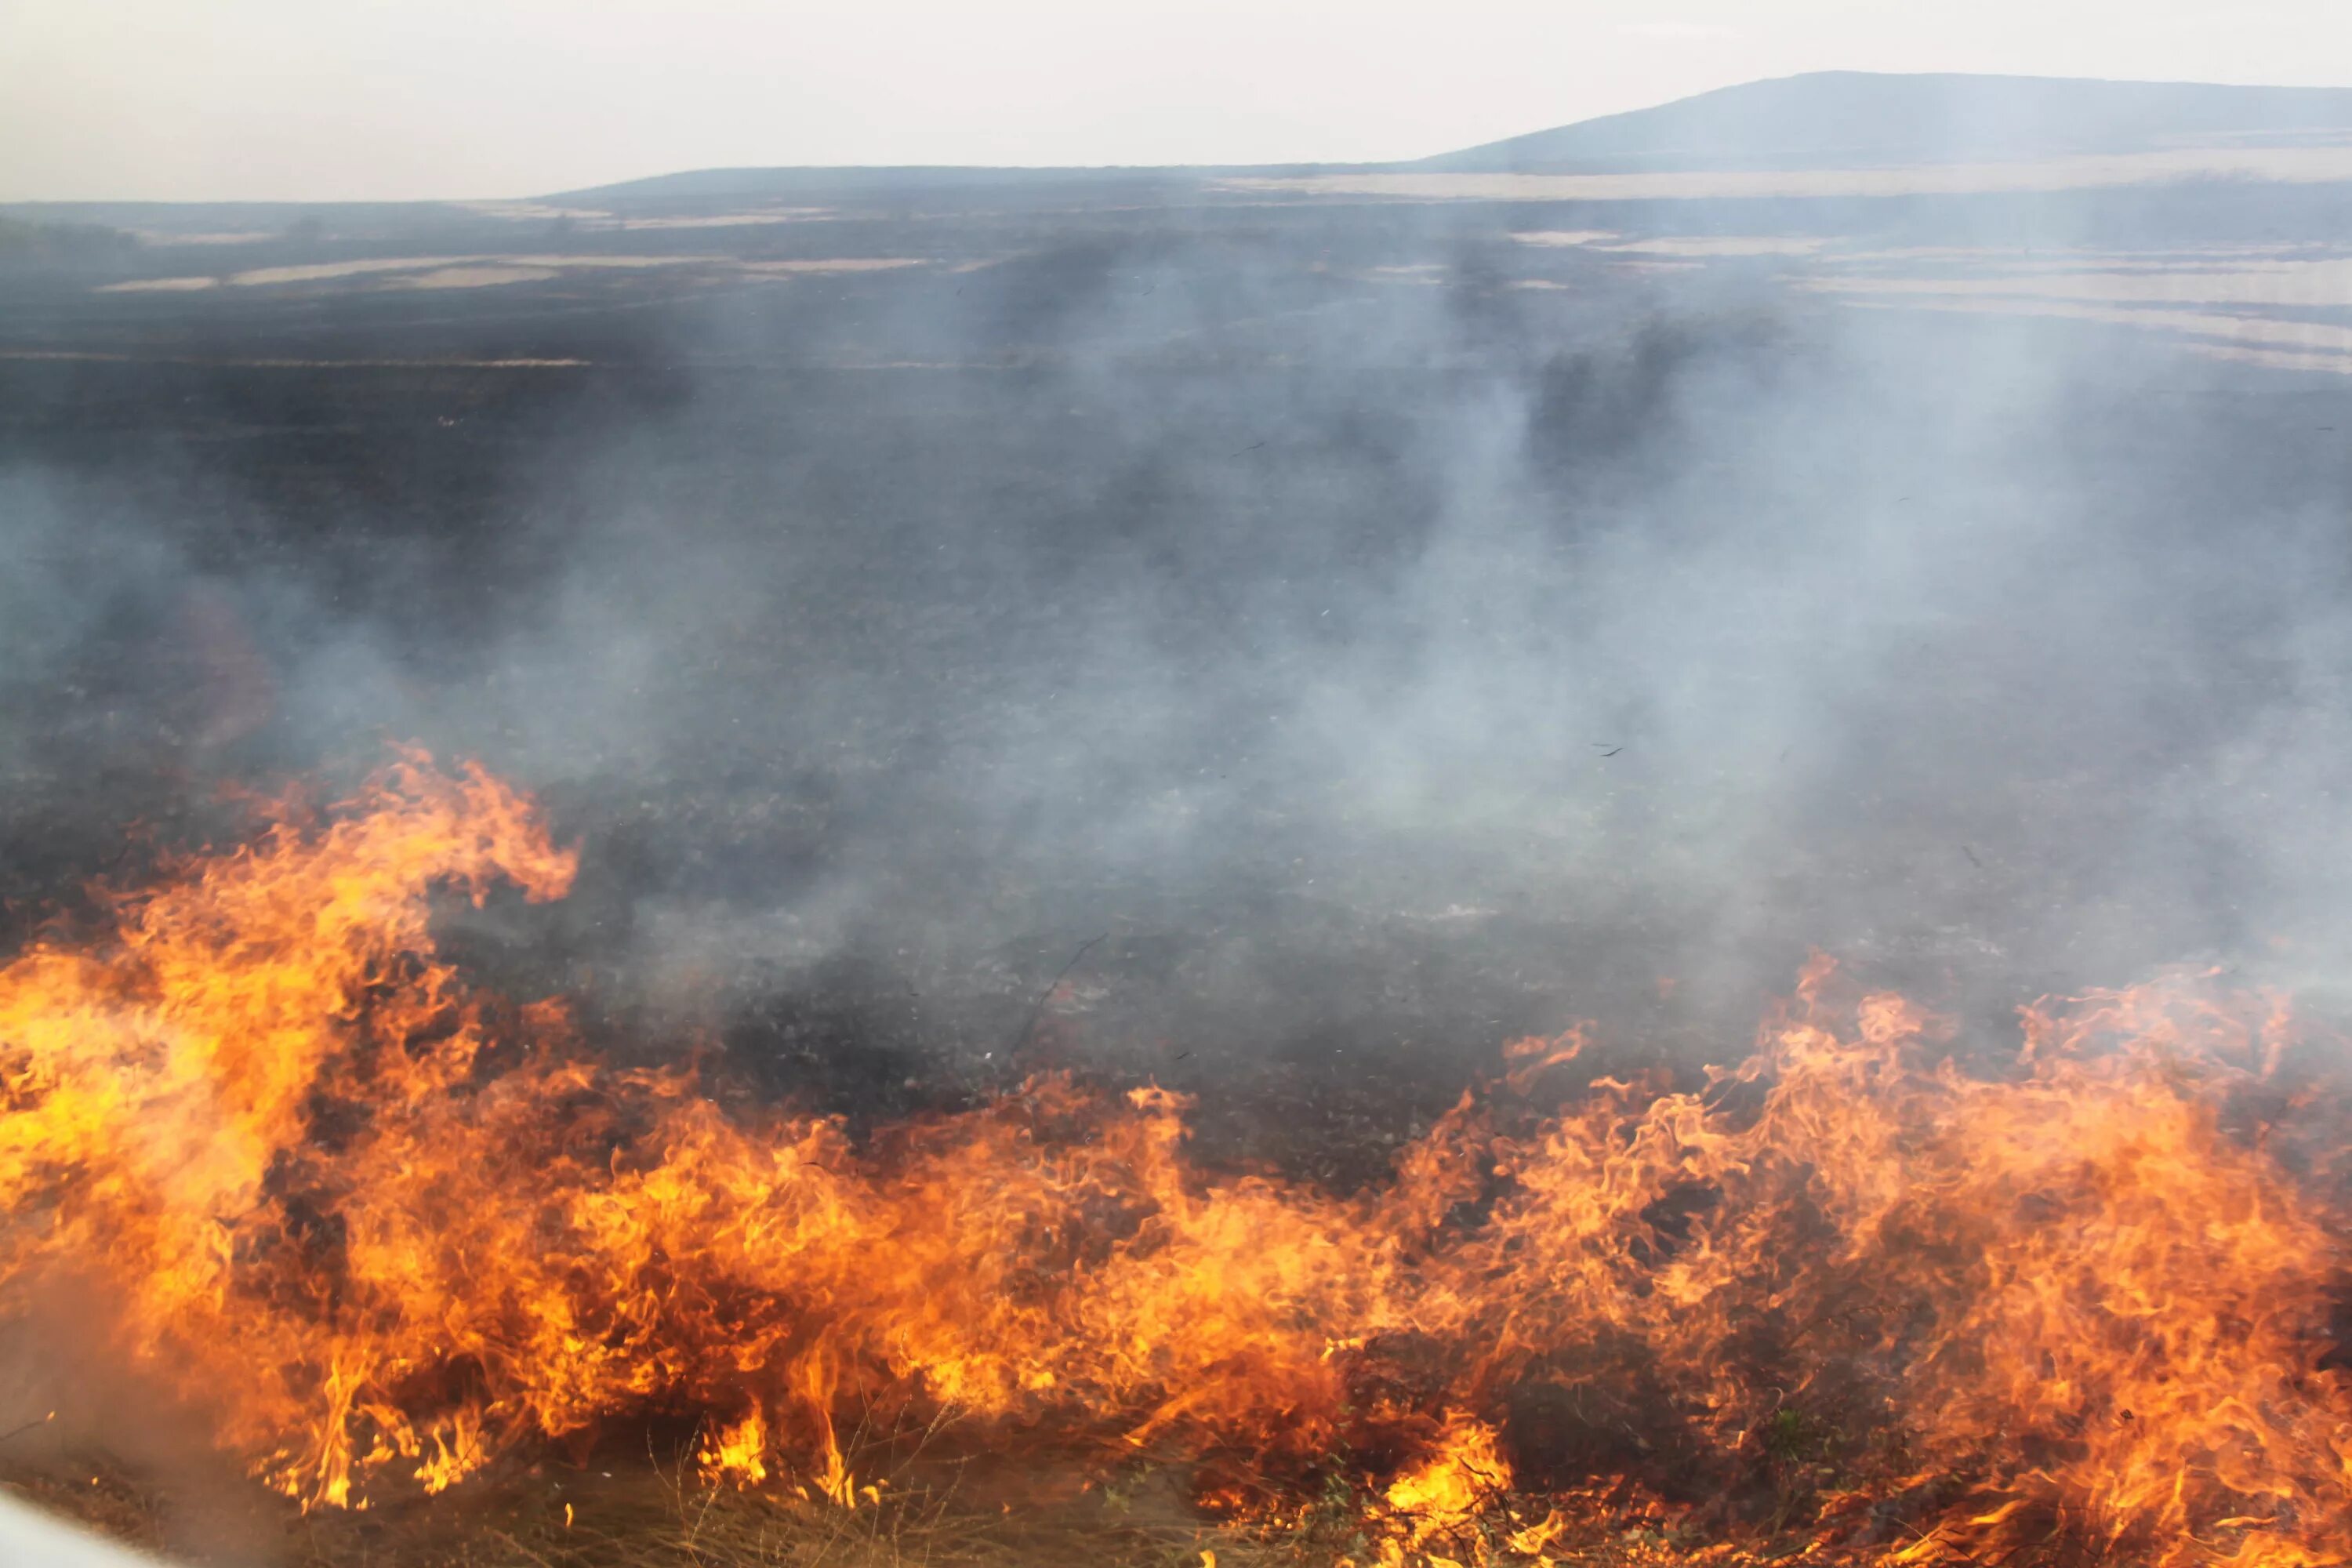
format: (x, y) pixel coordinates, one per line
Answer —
(1377, 653)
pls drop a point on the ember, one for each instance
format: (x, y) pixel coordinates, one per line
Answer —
(386, 1232)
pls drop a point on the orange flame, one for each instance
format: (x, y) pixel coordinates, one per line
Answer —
(385, 1229)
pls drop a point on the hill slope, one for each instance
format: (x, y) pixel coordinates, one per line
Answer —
(1849, 117)
(1824, 119)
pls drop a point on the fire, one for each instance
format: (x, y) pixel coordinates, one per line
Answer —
(1446, 1490)
(383, 1230)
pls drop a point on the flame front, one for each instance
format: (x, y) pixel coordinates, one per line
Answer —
(384, 1229)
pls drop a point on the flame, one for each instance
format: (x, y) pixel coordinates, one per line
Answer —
(737, 1453)
(384, 1229)
(1444, 1490)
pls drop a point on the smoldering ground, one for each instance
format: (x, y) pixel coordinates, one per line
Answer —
(1370, 658)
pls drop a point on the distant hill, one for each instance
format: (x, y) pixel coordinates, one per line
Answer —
(1850, 118)
(695, 187)
(1825, 118)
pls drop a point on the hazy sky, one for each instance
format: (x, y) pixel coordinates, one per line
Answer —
(373, 99)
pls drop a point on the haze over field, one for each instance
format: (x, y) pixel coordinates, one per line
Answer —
(1522, 542)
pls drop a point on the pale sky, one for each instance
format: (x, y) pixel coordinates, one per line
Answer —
(324, 99)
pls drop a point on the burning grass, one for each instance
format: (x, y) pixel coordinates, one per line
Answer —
(388, 1238)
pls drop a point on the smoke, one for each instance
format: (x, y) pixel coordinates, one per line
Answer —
(1378, 655)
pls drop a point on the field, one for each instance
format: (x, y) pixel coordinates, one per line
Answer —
(1278, 636)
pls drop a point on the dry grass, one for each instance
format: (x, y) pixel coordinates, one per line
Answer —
(939, 1498)
(657, 1514)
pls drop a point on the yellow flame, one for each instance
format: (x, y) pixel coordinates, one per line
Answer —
(381, 1228)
